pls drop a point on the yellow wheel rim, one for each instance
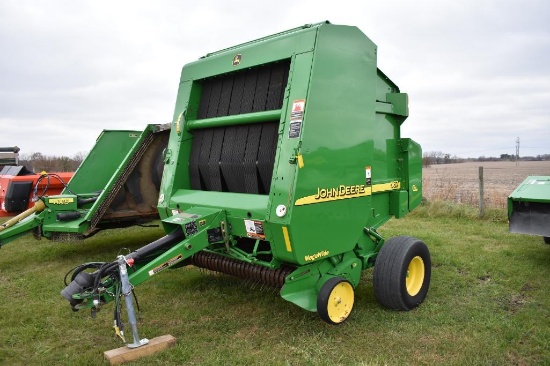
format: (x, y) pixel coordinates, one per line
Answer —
(415, 276)
(340, 302)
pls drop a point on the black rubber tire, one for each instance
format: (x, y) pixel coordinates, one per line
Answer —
(547, 239)
(391, 270)
(326, 300)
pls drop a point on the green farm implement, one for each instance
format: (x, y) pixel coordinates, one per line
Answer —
(284, 157)
(116, 185)
(529, 207)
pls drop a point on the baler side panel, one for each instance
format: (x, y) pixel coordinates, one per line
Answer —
(331, 191)
(286, 165)
(177, 155)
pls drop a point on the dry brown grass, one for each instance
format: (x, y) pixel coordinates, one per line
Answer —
(460, 182)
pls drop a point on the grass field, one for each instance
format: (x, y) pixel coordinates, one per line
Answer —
(488, 304)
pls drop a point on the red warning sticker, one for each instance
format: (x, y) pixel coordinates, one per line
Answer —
(298, 107)
(296, 118)
(254, 229)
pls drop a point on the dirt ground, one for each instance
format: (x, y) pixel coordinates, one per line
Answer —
(460, 182)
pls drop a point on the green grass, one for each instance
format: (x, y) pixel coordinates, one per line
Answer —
(488, 304)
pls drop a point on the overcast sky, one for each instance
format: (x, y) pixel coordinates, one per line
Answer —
(477, 72)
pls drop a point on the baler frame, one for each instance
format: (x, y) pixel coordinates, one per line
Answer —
(254, 186)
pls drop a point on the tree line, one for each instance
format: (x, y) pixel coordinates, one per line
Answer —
(437, 157)
(37, 162)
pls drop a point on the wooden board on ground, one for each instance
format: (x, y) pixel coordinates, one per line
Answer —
(125, 354)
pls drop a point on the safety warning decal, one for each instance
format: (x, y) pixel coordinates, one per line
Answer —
(297, 113)
(237, 59)
(254, 229)
(296, 118)
(294, 130)
(165, 265)
(368, 176)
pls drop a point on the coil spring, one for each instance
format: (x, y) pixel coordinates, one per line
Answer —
(248, 271)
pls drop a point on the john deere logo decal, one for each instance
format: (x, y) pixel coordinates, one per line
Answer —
(237, 59)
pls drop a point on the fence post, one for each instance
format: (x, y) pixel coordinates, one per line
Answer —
(481, 192)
